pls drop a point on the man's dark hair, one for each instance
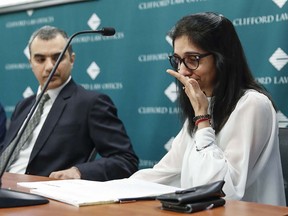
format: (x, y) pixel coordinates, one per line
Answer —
(48, 33)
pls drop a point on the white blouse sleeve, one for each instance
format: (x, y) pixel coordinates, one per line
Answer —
(240, 151)
(168, 169)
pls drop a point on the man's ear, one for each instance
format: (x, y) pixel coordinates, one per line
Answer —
(72, 58)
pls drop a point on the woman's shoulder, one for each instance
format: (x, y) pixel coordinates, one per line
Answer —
(255, 99)
(252, 95)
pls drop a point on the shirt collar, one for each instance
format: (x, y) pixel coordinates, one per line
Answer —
(53, 93)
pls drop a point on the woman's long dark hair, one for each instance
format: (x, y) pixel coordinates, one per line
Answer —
(216, 34)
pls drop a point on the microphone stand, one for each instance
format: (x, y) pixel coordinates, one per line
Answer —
(11, 198)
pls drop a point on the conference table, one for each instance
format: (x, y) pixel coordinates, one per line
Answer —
(145, 208)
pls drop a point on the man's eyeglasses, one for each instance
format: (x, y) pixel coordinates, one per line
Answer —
(190, 61)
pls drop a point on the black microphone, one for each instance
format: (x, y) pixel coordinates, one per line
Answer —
(11, 198)
(107, 31)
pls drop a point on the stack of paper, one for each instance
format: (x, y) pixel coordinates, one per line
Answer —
(83, 192)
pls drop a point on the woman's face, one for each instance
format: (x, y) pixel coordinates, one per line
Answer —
(205, 73)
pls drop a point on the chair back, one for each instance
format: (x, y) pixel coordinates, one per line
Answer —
(283, 143)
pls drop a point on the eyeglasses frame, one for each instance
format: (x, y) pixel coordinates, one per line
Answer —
(196, 55)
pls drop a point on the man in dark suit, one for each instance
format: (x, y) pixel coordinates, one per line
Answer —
(73, 124)
(2, 123)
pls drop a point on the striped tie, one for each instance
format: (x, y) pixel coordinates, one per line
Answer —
(34, 121)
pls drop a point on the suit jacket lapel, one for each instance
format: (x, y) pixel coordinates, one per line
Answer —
(53, 117)
(23, 113)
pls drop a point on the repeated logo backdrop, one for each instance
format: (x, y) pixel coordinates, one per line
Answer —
(131, 65)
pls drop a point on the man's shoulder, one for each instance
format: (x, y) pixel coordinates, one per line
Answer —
(82, 94)
(78, 92)
(27, 100)
(88, 93)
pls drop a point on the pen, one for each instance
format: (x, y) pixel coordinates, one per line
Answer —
(134, 199)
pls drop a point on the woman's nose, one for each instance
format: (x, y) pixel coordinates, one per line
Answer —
(183, 70)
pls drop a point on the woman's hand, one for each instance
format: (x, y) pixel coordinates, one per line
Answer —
(192, 89)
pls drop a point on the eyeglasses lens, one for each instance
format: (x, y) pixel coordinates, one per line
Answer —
(191, 62)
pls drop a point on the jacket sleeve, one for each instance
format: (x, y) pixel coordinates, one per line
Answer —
(116, 158)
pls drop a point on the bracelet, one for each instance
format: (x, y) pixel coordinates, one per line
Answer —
(207, 116)
(201, 120)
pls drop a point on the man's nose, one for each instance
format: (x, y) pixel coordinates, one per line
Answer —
(49, 64)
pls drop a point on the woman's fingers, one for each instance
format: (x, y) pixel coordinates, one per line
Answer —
(178, 76)
(188, 83)
(192, 89)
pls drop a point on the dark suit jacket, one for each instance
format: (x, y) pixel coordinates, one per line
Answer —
(78, 122)
(2, 123)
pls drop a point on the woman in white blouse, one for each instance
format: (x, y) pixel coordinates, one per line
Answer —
(230, 129)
